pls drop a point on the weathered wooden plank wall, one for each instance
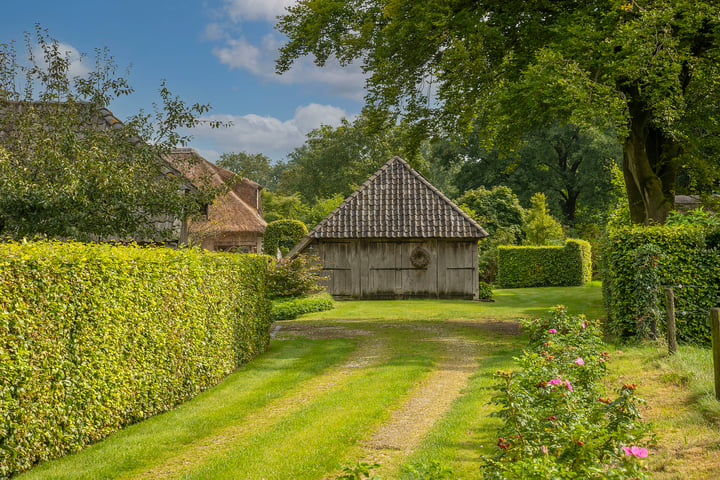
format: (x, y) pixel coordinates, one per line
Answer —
(384, 269)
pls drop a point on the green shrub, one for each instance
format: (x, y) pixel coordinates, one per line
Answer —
(289, 308)
(690, 263)
(94, 337)
(558, 420)
(292, 277)
(485, 291)
(547, 266)
(283, 234)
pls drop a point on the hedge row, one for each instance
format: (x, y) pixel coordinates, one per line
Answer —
(283, 234)
(287, 309)
(94, 337)
(546, 266)
(684, 257)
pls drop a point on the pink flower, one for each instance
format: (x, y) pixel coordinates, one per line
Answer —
(634, 451)
(555, 381)
(583, 326)
(579, 361)
(552, 330)
(544, 449)
(639, 452)
(569, 387)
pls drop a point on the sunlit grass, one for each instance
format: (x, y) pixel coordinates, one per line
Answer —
(280, 370)
(313, 438)
(509, 304)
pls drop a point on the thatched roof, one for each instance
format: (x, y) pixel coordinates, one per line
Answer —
(234, 211)
(396, 202)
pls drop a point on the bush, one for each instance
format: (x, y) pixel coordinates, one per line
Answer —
(292, 277)
(548, 266)
(94, 337)
(283, 234)
(485, 291)
(289, 308)
(690, 263)
(558, 422)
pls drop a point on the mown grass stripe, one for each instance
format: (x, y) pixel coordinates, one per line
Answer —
(285, 366)
(316, 438)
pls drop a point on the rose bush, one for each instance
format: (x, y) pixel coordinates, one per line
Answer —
(558, 420)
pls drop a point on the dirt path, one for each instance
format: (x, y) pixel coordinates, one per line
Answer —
(370, 351)
(391, 442)
(394, 440)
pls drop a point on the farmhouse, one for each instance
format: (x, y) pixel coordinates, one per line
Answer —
(167, 229)
(234, 220)
(397, 236)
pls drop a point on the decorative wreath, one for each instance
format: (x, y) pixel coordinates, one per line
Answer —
(420, 258)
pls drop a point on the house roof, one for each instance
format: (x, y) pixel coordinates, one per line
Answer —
(396, 202)
(229, 213)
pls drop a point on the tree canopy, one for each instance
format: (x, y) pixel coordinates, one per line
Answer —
(574, 170)
(69, 168)
(649, 69)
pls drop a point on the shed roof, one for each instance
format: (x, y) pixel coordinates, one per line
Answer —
(396, 202)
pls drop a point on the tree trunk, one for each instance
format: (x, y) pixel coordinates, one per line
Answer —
(649, 168)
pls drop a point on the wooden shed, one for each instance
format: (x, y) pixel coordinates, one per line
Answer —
(397, 236)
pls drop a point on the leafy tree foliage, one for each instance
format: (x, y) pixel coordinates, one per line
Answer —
(540, 227)
(255, 166)
(648, 69)
(64, 172)
(500, 214)
(571, 167)
(277, 206)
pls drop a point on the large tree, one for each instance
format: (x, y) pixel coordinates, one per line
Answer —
(68, 167)
(647, 68)
(255, 166)
(574, 170)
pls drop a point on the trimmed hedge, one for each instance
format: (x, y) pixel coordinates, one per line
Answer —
(546, 266)
(287, 309)
(94, 337)
(687, 256)
(283, 234)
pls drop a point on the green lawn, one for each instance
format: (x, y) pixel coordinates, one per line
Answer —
(310, 405)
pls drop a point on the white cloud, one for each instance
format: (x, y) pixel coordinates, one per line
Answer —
(268, 10)
(260, 61)
(76, 67)
(264, 134)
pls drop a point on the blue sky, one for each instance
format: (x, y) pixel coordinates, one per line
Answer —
(214, 51)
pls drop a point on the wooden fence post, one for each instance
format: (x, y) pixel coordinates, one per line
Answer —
(715, 327)
(671, 333)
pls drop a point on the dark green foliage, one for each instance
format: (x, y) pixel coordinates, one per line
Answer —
(290, 277)
(550, 266)
(499, 212)
(283, 234)
(293, 307)
(647, 70)
(94, 337)
(687, 264)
